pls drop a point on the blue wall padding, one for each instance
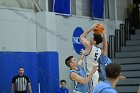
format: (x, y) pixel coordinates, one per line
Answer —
(98, 8)
(1, 73)
(62, 6)
(48, 71)
(41, 67)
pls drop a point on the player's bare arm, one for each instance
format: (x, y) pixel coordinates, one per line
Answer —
(104, 43)
(80, 62)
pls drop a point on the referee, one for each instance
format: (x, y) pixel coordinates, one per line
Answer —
(21, 82)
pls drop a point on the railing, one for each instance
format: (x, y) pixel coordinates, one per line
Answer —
(111, 52)
(117, 41)
(123, 30)
(128, 29)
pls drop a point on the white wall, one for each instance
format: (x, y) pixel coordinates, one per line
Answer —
(112, 9)
(41, 31)
(122, 7)
(46, 32)
(13, 3)
(112, 25)
(18, 33)
(27, 4)
(83, 7)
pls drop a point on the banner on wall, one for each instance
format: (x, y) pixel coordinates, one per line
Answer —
(77, 44)
(98, 9)
(62, 7)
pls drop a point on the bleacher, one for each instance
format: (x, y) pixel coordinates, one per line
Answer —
(124, 48)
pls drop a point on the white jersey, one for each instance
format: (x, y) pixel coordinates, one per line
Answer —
(91, 60)
(92, 57)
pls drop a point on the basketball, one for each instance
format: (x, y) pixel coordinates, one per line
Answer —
(98, 28)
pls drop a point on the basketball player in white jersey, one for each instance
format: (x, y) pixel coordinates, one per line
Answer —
(92, 52)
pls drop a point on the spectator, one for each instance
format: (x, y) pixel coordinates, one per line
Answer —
(63, 88)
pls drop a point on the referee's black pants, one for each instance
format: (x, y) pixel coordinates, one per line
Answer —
(20, 92)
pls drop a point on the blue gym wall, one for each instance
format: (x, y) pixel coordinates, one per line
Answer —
(48, 72)
(40, 67)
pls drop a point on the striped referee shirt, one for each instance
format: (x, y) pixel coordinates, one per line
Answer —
(20, 83)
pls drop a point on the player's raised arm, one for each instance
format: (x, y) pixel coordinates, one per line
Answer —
(80, 62)
(104, 43)
(83, 39)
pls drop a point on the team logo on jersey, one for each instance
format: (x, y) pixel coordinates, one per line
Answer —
(77, 44)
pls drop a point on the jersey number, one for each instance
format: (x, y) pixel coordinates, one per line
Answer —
(96, 54)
